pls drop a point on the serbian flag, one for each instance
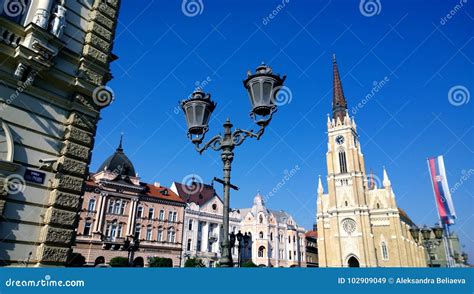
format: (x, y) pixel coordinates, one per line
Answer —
(441, 190)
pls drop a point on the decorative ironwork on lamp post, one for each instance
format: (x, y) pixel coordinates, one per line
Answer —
(262, 87)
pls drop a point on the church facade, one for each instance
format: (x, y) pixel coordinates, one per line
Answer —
(359, 224)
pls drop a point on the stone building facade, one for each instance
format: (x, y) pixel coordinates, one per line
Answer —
(277, 240)
(117, 206)
(359, 224)
(55, 63)
(203, 229)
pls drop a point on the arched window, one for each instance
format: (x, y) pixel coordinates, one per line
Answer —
(91, 206)
(378, 205)
(190, 225)
(345, 203)
(151, 213)
(261, 219)
(271, 236)
(159, 236)
(384, 248)
(342, 161)
(188, 245)
(138, 229)
(171, 235)
(261, 251)
(140, 212)
(148, 233)
(260, 235)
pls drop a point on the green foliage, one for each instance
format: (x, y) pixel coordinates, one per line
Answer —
(194, 262)
(119, 261)
(160, 262)
(249, 264)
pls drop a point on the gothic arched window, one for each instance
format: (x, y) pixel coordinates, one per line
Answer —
(383, 245)
(261, 235)
(342, 161)
(261, 251)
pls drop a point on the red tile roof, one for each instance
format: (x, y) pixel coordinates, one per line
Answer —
(198, 193)
(163, 193)
(313, 234)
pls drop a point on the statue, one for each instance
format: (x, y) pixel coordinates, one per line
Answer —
(59, 21)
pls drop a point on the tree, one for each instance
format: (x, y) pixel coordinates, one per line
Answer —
(194, 262)
(249, 264)
(160, 262)
(119, 261)
(76, 260)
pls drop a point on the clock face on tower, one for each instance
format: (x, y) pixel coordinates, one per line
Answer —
(339, 140)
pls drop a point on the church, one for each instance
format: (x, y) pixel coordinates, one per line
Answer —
(359, 224)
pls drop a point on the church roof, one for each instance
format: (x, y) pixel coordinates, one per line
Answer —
(118, 163)
(404, 216)
(339, 104)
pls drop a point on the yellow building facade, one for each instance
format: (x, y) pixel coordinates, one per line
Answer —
(359, 224)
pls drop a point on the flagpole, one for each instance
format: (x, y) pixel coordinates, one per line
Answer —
(446, 229)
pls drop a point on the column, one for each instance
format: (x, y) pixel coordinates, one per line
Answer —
(132, 217)
(102, 205)
(42, 13)
(205, 238)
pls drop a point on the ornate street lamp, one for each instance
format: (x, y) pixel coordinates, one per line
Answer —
(198, 109)
(427, 242)
(262, 87)
(415, 233)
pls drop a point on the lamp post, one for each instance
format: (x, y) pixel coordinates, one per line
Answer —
(131, 247)
(427, 242)
(262, 88)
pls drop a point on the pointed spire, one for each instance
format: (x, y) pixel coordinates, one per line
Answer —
(339, 104)
(371, 180)
(386, 180)
(120, 148)
(320, 186)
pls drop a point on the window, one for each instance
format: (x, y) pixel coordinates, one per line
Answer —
(261, 251)
(271, 236)
(162, 215)
(170, 216)
(14, 10)
(138, 229)
(289, 254)
(289, 239)
(140, 212)
(148, 233)
(151, 213)
(261, 219)
(171, 235)
(260, 235)
(175, 216)
(383, 245)
(110, 208)
(117, 205)
(189, 245)
(294, 239)
(342, 162)
(190, 224)
(87, 228)
(160, 235)
(119, 230)
(91, 206)
(378, 205)
(111, 230)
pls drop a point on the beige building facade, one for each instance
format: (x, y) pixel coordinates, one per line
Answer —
(55, 58)
(117, 206)
(276, 239)
(358, 223)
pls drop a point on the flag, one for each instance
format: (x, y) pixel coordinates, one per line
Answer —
(443, 199)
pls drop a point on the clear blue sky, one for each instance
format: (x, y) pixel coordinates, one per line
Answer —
(163, 53)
